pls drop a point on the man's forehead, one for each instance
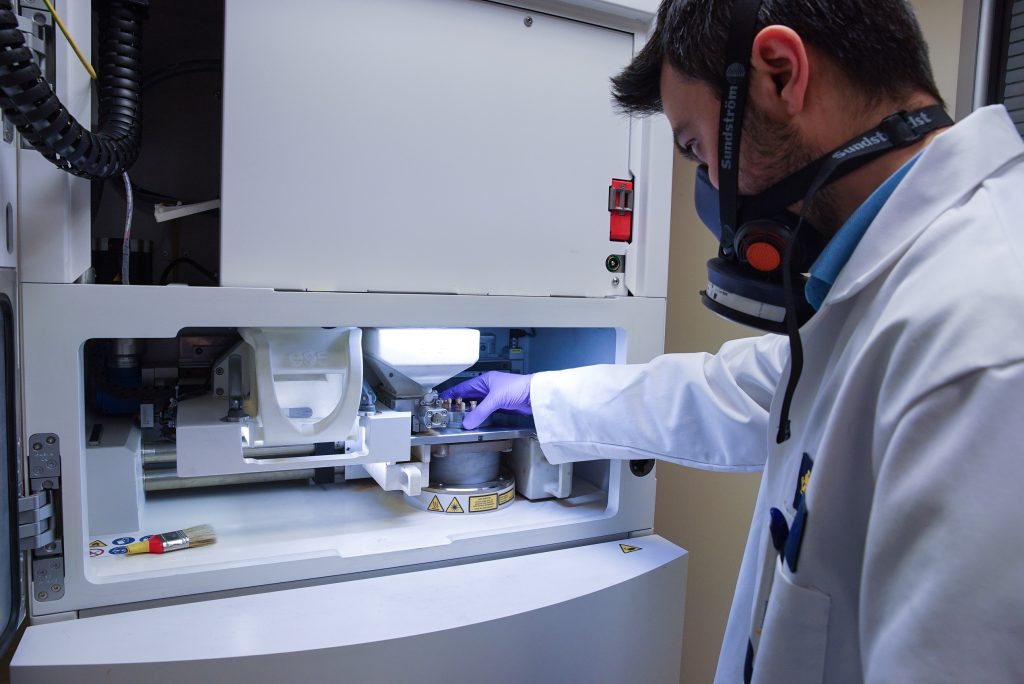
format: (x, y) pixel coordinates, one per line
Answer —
(684, 99)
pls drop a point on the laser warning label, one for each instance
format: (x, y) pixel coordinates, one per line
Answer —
(486, 502)
(463, 502)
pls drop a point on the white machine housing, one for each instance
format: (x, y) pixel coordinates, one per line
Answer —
(470, 162)
(51, 208)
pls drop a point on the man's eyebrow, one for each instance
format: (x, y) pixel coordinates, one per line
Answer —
(686, 152)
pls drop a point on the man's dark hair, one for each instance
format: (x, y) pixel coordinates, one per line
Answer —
(877, 44)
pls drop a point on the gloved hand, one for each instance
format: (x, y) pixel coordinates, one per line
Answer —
(498, 391)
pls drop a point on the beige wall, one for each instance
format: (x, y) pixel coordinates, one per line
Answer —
(709, 513)
(706, 513)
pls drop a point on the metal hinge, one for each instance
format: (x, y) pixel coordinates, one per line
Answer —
(48, 572)
(35, 40)
(37, 523)
(36, 24)
(37, 518)
(43, 462)
(32, 23)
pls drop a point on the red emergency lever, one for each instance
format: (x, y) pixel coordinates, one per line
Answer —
(620, 206)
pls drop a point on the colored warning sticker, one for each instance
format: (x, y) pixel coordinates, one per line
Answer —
(117, 550)
(96, 544)
(435, 505)
(122, 541)
(626, 548)
(93, 553)
(486, 502)
(454, 507)
(506, 497)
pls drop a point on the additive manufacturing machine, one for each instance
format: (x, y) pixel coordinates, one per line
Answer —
(342, 207)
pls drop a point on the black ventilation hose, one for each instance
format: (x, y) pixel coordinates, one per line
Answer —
(29, 102)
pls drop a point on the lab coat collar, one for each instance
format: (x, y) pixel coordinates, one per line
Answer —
(949, 170)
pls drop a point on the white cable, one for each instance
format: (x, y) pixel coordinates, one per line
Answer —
(125, 251)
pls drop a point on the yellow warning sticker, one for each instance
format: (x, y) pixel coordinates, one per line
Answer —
(485, 502)
(454, 507)
(435, 505)
(626, 548)
(506, 497)
(95, 544)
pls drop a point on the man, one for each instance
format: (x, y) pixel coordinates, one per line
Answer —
(887, 543)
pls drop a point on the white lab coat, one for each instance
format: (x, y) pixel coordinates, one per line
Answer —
(911, 406)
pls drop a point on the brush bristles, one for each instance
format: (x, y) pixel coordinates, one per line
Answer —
(200, 535)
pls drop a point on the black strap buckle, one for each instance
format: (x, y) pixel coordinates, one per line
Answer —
(900, 131)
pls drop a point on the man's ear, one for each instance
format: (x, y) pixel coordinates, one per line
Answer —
(780, 72)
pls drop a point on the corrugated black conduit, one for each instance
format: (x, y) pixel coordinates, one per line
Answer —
(30, 104)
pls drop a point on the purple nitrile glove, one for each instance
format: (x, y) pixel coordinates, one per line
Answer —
(497, 391)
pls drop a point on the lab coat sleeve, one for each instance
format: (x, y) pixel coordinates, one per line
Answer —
(941, 595)
(702, 410)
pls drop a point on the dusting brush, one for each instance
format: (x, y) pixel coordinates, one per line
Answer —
(201, 535)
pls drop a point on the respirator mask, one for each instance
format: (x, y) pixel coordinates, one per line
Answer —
(761, 240)
(765, 250)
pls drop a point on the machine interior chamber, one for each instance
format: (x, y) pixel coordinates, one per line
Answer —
(135, 391)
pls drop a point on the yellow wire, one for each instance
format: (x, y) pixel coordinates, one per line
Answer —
(71, 41)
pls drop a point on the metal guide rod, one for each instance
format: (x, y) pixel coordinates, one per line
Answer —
(162, 480)
(166, 454)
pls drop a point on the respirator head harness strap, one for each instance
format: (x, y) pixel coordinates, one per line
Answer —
(758, 277)
(733, 110)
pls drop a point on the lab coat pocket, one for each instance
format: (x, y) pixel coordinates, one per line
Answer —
(795, 634)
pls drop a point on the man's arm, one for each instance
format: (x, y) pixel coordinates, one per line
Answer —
(702, 410)
(942, 596)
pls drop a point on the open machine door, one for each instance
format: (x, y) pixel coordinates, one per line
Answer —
(10, 560)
